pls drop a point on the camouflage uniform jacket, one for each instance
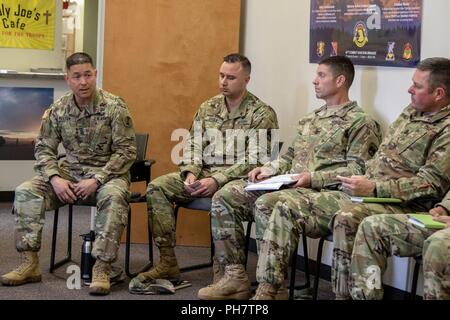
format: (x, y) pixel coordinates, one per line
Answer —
(229, 163)
(413, 162)
(99, 140)
(445, 203)
(330, 142)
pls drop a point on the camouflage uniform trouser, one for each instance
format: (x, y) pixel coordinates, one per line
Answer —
(35, 196)
(231, 206)
(162, 193)
(384, 235)
(346, 223)
(280, 223)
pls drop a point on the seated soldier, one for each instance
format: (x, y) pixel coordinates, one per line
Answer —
(411, 164)
(96, 130)
(235, 112)
(335, 139)
(381, 236)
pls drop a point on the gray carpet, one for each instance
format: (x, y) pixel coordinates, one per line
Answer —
(53, 286)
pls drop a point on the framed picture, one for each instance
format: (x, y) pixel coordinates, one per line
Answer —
(21, 112)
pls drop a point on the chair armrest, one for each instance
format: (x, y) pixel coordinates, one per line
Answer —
(141, 170)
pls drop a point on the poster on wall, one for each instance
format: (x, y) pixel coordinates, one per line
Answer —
(21, 111)
(27, 24)
(369, 32)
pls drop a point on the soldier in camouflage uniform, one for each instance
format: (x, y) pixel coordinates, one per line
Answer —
(411, 164)
(381, 236)
(235, 111)
(96, 130)
(336, 139)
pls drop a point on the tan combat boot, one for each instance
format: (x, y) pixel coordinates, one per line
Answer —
(100, 284)
(265, 291)
(28, 271)
(167, 268)
(234, 285)
(218, 271)
(282, 293)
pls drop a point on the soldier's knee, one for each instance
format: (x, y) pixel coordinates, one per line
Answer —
(433, 244)
(368, 226)
(152, 186)
(224, 194)
(344, 222)
(113, 194)
(259, 202)
(24, 187)
(26, 190)
(265, 200)
(161, 182)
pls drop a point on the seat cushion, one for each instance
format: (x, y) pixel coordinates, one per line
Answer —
(198, 204)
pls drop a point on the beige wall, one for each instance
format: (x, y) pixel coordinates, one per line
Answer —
(276, 38)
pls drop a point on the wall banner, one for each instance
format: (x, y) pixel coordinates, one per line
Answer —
(27, 24)
(369, 32)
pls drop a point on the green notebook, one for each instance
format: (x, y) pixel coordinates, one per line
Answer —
(374, 200)
(425, 221)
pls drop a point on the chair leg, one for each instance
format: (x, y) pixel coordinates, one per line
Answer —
(306, 259)
(293, 271)
(128, 247)
(247, 241)
(150, 243)
(195, 266)
(307, 283)
(414, 281)
(54, 265)
(318, 263)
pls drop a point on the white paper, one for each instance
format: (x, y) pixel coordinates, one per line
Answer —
(273, 183)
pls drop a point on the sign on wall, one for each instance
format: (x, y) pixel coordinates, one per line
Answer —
(27, 24)
(369, 32)
(21, 112)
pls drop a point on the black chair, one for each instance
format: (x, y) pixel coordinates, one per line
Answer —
(307, 283)
(328, 237)
(139, 171)
(418, 262)
(204, 204)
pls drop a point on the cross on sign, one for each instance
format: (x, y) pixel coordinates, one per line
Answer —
(47, 14)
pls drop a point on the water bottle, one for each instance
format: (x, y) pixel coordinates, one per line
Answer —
(87, 261)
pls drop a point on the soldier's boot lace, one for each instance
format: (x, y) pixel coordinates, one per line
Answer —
(28, 271)
(167, 268)
(100, 284)
(234, 285)
(265, 291)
